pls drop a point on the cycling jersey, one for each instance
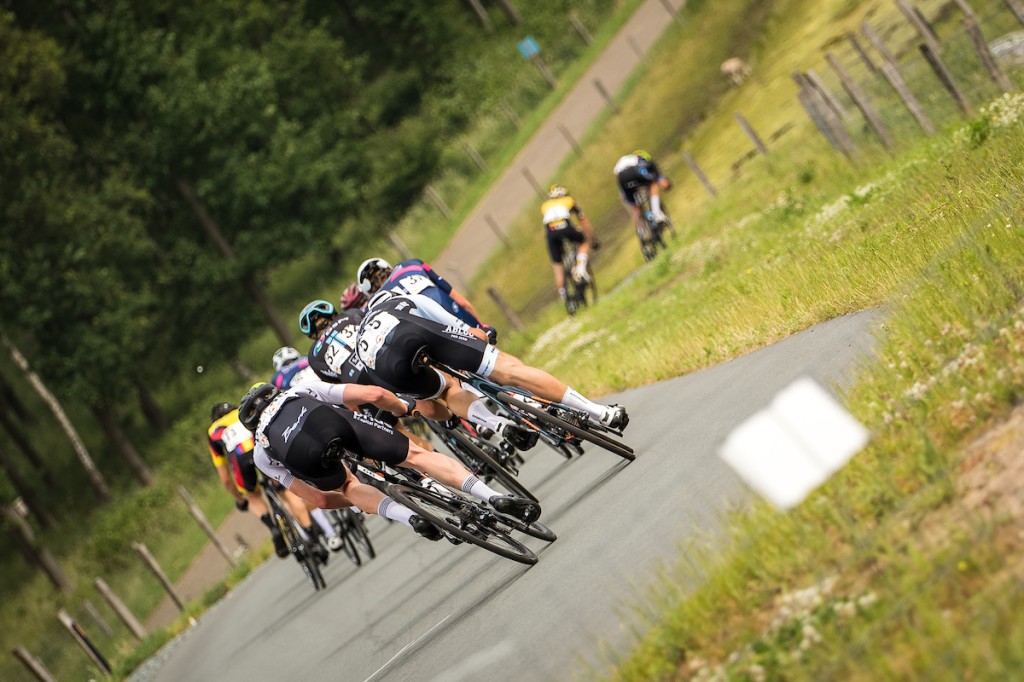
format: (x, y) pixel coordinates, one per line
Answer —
(394, 333)
(231, 444)
(332, 356)
(298, 426)
(293, 374)
(632, 172)
(416, 277)
(557, 215)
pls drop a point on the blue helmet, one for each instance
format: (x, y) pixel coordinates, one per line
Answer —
(312, 313)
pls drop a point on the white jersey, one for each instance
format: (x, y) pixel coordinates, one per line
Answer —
(627, 161)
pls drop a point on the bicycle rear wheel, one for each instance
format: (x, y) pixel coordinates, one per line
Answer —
(463, 519)
(341, 524)
(583, 433)
(300, 549)
(491, 467)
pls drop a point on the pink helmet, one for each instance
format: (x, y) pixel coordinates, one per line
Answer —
(352, 297)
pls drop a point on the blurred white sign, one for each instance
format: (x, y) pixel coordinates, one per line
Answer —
(792, 446)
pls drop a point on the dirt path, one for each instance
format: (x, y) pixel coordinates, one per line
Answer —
(543, 154)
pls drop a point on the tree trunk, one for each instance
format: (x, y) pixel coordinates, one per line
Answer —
(33, 551)
(151, 408)
(120, 441)
(25, 446)
(99, 484)
(25, 492)
(249, 282)
(9, 399)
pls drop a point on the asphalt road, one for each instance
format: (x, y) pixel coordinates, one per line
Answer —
(434, 611)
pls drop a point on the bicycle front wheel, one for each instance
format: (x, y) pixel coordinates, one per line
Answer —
(357, 531)
(302, 550)
(583, 433)
(463, 519)
(492, 467)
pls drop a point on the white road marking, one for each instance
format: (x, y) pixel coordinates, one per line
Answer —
(402, 650)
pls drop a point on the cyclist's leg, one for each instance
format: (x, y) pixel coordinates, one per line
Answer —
(511, 370)
(298, 507)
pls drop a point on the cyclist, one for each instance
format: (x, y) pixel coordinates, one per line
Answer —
(301, 434)
(416, 277)
(560, 215)
(334, 360)
(292, 369)
(636, 170)
(352, 297)
(398, 329)
(229, 441)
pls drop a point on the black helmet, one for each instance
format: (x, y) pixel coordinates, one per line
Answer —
(253, 404)
(219, 410)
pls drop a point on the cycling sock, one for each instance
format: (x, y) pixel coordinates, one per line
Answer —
(320, 516)
(265, 519)
(561, 293)
(395, 511)
(656, 204)
(574, 399)
(478, 489)
(307, 532)
(481, 416)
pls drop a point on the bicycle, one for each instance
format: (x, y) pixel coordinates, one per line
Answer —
(560, 426)
(648, 230)
(576, 290)
(299, 545)
(459, 518)
(490, 462)
(351, 529)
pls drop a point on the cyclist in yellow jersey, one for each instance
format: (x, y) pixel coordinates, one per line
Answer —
(563, 219)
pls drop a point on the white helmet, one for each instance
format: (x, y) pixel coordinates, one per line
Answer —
(379, 297)
(364, 276)
(285, 355)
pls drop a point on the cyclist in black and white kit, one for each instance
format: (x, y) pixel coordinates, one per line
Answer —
(636, 170)
(334, 360)
(301, 434)
(397, 329)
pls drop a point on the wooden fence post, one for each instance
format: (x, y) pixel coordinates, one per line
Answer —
(438, 201)
(97, 618)
(33, 551)
(580, 29)
(922, 28)
(830, 99)
(481, 14)
(749, 130)
(34, 665)
(474, 155)
(692, 163)
(506, 309)
(823, 117)
(78, 634)
(852, 39)
(496, 229)
(399, 245)
(200, 518)
(570, 139)
(935, 61)
(891, 72)
(122, 611)
(981, 47)
(671, 10)
(510, 113)
(861, 100)
(1017, 7)
(606, 95)
(533, 182)
(154, 567)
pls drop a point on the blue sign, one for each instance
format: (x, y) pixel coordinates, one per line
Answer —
(528, 47)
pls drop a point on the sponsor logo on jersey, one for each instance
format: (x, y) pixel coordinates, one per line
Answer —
(291, 429)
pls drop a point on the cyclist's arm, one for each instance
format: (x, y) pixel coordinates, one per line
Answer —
(321, 499)
(429, 309)
(354, 395)
(464, 302)
(228, 483)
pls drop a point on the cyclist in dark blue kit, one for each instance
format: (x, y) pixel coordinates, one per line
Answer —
(413, 276)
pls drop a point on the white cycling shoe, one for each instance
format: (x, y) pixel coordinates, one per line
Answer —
(335, 543)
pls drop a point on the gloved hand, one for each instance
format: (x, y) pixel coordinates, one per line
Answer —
(242, 505)
(492, 334)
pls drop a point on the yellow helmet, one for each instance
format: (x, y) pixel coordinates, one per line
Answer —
(557, 191)
(642, 154)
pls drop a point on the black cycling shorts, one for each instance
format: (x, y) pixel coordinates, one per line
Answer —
(394, 365)
(244, 469)
(556, 247)
(329, 427)
(631, 179)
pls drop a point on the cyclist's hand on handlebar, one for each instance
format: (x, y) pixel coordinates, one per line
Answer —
(242, 504)
(492, 334)
(408, 407)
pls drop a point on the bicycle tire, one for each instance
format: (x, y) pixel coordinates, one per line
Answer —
(494, 467)
(348, 546)
(447, 513)
(300, 549)
(359, 535)
(613, 446)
